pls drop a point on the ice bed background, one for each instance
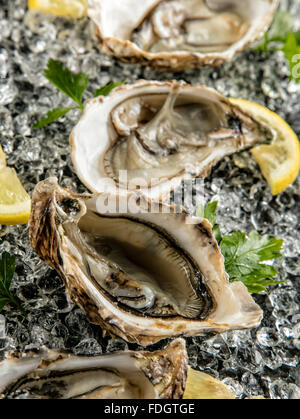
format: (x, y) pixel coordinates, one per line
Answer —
(262, 361)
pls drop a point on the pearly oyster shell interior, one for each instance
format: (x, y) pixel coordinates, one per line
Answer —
(150, 136)
(179, 34)
(143, 274)
(48, 374)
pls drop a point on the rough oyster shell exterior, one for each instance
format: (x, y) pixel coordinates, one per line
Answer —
(51, 374)
(114, 40)
(232, 306)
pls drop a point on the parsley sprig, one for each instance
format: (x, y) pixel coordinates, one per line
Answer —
(210, 213)
(7, 270)
(72, 85)
(282, 37)
(244, 255)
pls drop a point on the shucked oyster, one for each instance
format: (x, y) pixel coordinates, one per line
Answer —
(179, 34)
(149, 136)
(145, 273)
(48, 374)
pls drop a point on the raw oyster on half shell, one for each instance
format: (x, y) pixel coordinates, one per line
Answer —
(145, 273)
(150, 136)
(48, 374)
(178, 34)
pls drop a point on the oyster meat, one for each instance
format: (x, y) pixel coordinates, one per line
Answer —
(144, 273)
(150, 136)
(179, 34)
(48, 374)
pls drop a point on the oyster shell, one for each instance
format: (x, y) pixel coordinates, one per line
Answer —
(48, 374)
(143, 274)
(176, 35)
(150, 136)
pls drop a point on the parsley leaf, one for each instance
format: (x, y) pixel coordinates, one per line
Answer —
(297, 36)
(217, 233)
(71, 84)
(105, 90)
(52, 116)
(3, 302)
(244, 255)
(7, 270)
(291, 50)
(210, 213)
(281, 37)
(263, 46)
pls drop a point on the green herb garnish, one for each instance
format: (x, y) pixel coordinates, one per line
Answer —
(7, 270)
(52, 116)
(281, 37)
(105, 90)
(71, 84)
(244, 256)
(210, 213)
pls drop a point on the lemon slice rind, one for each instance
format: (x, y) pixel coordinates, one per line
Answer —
(72, 8)
(280, 161)
(202, 386)
(15, 203)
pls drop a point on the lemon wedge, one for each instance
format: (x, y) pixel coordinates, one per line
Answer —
(202, 386)
(15, 203)
(279, 162)
(73, 8)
